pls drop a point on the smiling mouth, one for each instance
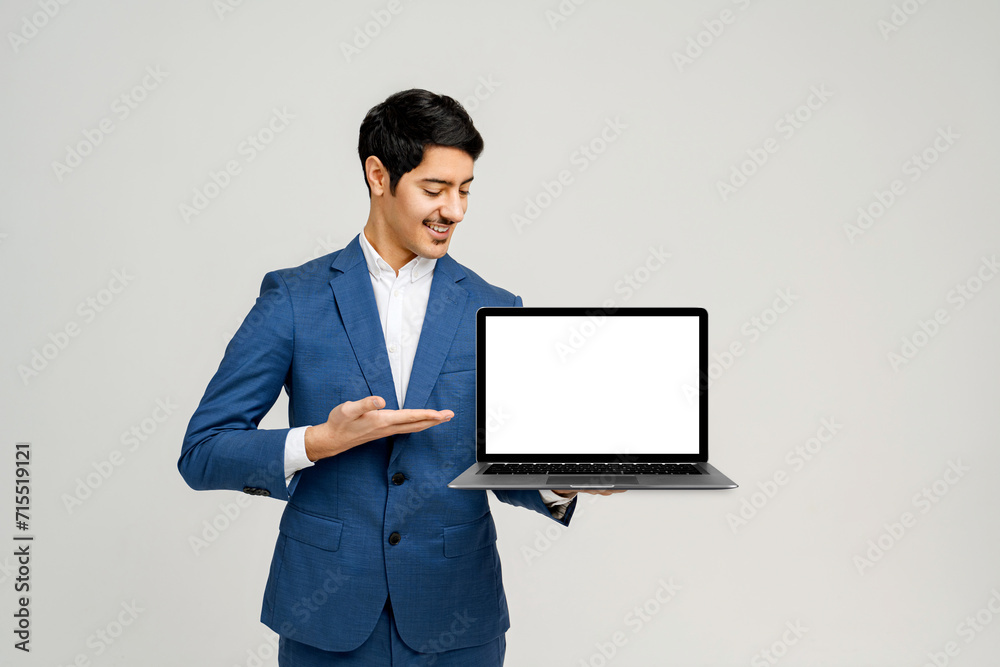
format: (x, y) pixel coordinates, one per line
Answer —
(441, 229)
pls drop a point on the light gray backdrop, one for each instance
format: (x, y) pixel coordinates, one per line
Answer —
(822, 176)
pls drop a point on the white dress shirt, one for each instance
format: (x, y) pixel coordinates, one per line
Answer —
(402, 302)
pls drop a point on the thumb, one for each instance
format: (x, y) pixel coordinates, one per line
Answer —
(356, 409)
(371, 403)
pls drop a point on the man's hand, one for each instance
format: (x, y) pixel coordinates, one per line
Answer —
(598, 492)
(353, 423)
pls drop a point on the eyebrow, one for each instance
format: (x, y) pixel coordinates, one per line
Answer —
(444, 182)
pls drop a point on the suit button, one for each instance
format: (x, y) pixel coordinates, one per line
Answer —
(398, 478)
(394, 538)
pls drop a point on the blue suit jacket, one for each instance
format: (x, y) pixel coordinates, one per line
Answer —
(315, 330)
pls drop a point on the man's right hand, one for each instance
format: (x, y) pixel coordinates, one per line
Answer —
(353, 423)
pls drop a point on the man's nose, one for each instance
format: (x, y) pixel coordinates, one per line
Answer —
(453, 208)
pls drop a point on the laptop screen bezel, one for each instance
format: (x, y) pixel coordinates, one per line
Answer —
(596, 312)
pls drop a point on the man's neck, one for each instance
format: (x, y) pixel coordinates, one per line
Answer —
(394, 256)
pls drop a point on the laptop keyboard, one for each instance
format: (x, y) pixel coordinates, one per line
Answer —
(592, 469)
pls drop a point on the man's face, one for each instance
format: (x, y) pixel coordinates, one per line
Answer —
(430, 200)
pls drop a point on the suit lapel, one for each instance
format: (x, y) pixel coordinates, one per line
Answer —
(352, 290)
(444, 313)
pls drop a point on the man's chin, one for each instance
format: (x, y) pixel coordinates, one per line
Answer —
(437, 248)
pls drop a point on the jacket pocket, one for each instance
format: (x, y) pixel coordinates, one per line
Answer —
(457, 364)
(468, 537)
(319, 531)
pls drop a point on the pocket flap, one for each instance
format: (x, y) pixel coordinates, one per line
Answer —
(459, 363)
(468, 537)
(312, 529)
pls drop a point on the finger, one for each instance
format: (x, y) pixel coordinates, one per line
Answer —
(403, 416)
(432, 414)
(354, 409)
(408, 427)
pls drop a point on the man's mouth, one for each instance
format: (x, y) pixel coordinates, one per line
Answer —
(439, 231)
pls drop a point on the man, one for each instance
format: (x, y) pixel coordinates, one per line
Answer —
(377, 562)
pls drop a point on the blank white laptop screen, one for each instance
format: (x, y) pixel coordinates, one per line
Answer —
(573, 385)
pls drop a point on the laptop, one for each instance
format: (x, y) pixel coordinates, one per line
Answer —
(592, 398)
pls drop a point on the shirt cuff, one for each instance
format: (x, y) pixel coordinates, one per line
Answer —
(557, 504)
(549, 497)
(295, 453)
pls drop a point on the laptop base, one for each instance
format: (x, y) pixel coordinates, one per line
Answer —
(473, 478)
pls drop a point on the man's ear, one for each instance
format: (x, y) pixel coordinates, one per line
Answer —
(377, 175)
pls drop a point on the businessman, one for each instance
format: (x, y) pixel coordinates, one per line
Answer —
(377, 561)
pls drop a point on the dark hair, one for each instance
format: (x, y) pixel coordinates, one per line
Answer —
(397, 131)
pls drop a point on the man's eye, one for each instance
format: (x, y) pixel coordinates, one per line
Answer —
(432, 194)
(464, 193)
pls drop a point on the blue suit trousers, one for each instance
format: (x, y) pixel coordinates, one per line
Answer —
(384, 648)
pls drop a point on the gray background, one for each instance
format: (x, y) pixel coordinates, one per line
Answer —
(553, 86)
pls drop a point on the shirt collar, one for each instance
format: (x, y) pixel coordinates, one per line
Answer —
(417, 268)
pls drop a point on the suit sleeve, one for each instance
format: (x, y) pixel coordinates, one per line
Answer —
(223, 448)
(531, 499)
